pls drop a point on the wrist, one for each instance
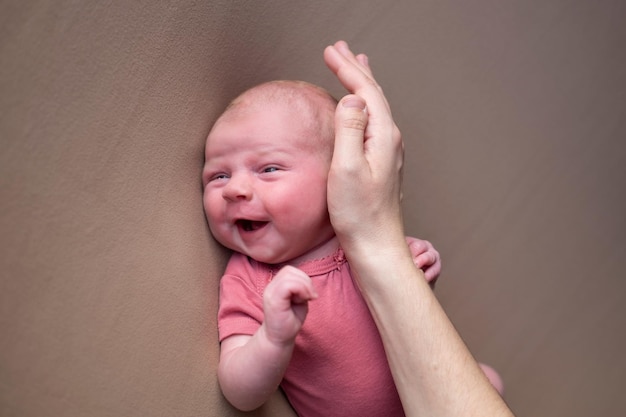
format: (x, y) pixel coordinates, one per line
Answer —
(375, 244)
(272, 344)
(378, 267)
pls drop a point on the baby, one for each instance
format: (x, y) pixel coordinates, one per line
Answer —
(267, 162)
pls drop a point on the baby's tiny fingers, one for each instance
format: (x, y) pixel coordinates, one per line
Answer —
(418, 246)
(425, 259)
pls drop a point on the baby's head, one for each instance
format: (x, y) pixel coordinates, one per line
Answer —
(311, 106)
(267, 160)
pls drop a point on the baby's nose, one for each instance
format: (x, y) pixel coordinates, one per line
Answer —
(238, 188)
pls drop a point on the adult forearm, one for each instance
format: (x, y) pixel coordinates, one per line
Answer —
(433, 370)
(435, 373)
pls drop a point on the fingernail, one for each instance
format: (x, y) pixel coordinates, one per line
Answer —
(342, 46)
(353, 102)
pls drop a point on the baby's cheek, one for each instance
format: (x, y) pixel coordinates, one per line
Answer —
(211, 204)
(314, 207)
(215, 224)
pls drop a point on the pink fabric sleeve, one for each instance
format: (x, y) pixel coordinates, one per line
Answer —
(241, 299)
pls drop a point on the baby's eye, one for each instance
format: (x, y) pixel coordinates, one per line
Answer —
(220, 176)
(270, 169)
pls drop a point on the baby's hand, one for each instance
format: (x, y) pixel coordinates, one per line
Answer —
(425, 257)
(285, 304)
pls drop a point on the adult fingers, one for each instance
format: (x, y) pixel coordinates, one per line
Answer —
(361, 60)
(354, 73)
(350, 124)
(355, 76)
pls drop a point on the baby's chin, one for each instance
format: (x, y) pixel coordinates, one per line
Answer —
(266, 258)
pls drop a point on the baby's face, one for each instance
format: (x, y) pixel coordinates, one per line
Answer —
(265, 185)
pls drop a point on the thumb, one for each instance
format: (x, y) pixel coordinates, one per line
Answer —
(350, 123)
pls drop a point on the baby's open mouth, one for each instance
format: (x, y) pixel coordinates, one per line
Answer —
(250, 225)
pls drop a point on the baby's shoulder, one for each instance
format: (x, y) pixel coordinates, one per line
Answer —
(242, 266)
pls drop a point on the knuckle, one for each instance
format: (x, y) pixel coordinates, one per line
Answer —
(354, 121)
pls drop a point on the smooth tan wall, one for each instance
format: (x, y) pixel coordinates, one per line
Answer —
(513, 116)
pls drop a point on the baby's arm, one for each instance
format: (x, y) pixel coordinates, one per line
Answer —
(252, 367)
(426, 258)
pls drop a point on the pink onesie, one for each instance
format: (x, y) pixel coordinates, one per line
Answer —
(338, 365)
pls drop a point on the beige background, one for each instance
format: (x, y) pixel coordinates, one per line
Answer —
(513, 115)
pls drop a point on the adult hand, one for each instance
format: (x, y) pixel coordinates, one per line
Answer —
(365, 175)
